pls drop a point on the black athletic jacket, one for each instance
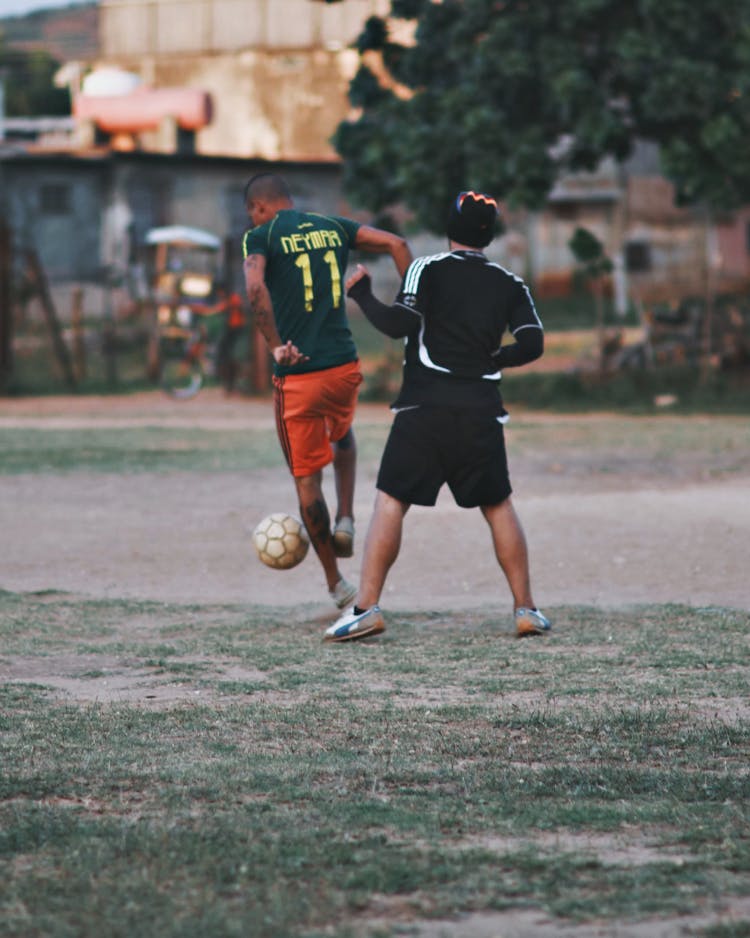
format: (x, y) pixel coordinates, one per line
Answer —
(453, 310)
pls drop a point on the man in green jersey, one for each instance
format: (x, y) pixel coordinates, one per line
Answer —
(294, 264)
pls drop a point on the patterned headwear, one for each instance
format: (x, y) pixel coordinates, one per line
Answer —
(472, 219)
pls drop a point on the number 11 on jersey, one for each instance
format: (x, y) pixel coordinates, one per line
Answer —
(303, 262)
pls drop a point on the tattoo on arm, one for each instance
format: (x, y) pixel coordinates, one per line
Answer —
(260, 300)
(263, 313)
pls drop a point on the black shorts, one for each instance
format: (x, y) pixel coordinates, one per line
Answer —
(427, 447)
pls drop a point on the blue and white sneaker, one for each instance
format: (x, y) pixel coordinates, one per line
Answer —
(531, 622)
(351, 625)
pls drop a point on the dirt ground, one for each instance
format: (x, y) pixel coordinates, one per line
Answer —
(668, 532)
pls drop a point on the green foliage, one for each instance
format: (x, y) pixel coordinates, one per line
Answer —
(373, 35)
(588, 250)
(365, 90)
(586, 247)
(407, 9)
(29, 87)
(507, 97)
(633, 391)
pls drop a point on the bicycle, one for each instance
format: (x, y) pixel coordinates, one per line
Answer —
(186, 354)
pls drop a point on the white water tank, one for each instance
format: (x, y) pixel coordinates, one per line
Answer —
(108, 81)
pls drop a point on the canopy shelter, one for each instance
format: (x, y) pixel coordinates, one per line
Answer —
(183, 235)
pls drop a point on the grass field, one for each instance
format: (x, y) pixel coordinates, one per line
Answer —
(214, 769)
(250, 782)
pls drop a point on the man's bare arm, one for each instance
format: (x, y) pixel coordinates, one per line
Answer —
(260, 299)
(385, 242)
(284, 353)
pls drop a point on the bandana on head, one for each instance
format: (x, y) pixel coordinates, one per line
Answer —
(472, 219)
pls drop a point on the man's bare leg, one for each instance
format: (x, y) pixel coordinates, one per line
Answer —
(317, 520)
(344, 470)
(382, 545)
(511, 550)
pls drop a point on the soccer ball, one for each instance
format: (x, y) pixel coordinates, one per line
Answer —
(281, 541)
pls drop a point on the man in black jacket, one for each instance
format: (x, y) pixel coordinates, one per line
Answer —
(452, 310)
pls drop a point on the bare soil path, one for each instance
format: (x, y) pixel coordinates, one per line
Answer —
(608, 527)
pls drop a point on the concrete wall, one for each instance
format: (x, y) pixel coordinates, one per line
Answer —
(278, 71)
(164, 27)
(82, 212)
(266, 106)
(54, 205)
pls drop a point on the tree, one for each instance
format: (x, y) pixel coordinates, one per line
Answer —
(594, 265)
(29, 85)
(506, 95)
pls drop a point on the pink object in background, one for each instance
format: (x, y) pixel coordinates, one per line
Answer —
(144, 109)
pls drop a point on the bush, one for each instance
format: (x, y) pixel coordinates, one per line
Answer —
(681, 389)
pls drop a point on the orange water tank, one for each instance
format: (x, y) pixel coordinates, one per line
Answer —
(144, 109)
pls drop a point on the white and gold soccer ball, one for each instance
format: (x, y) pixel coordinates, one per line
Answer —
(281, 541)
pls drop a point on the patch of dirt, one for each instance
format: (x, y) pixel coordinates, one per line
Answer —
(103, 679)
(534, 924)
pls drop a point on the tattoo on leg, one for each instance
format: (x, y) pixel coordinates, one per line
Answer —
(317, 521)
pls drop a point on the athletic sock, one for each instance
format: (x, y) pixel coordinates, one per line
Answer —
(358, 611)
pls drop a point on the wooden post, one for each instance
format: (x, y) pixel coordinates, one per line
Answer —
(153, 345)
(6, 311)
(597, 287)
(42, 289)
(79, 344)
(705, 341)
(109, 335)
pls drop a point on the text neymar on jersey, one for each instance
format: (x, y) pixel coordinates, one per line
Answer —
(323, 238)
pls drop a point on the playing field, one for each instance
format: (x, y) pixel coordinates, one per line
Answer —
(142, 497)
(181, 755)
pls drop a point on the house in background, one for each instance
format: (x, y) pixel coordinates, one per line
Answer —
(660, 251)
(87, 213)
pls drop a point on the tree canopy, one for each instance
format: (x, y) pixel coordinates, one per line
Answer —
(29, 87)
(505, 96)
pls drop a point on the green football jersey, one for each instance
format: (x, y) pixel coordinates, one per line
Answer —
(306, 256)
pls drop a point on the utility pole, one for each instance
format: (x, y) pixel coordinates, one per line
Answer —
(3, 73)
(45, 297)
(6, 270)
(6, 311)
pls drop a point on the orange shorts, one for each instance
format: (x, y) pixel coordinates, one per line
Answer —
(314, 410)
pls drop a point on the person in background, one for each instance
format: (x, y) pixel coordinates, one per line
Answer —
(294, 265)
(230, 304)
(453, 310)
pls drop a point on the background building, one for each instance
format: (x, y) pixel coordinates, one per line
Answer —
(277, 71)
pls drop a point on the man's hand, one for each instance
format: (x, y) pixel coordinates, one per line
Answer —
(385, 242)
(360, 271)
(288, 354)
